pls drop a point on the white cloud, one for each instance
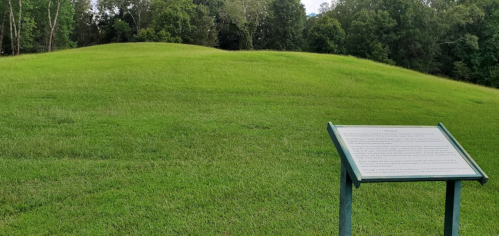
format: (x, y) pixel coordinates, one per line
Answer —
(312, 6)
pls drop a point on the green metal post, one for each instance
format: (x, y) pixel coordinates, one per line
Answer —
(345, 201)
(452, 202)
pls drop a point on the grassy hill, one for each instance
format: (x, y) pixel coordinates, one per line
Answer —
(165, 139)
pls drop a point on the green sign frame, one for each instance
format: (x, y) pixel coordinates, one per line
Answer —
(350, 175)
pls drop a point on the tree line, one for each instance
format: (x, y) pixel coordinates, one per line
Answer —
(31, 26)
(458, 39)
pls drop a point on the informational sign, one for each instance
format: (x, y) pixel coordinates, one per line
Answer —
(401, 151)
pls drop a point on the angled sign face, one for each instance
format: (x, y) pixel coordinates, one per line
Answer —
(403, 153)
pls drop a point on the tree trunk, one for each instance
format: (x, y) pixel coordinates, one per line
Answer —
(11, 25)
(138, 23)
(137, 28)
(2, 30)
(17, 28)
(52, 26)
(18, 34)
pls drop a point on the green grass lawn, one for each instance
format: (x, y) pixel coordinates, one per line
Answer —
(165, 139)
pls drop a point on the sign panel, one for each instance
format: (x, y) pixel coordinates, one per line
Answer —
(402, 151)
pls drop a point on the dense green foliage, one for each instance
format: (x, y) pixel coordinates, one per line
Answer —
(326, 36)
(455, 39)
(170, 139)
(369, 37)
(285, 25)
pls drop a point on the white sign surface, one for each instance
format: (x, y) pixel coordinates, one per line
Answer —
(403, 151)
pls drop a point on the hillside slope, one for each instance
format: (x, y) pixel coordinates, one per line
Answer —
(159, 139)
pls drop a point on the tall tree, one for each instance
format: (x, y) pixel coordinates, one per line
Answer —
(15, 28)
(246, 15)
(224, 29)
(285, 25)
(326, 36)
(3, 16)
(133, 8)
(478, 63)
(85, 32)
(439, 32)
(47, 25)
(204, 31)
(174, 18)
(122, 30)
(411, 21)
(52, 24)
(29, 25)
(370, 35)
(324, 8)
(137, 12)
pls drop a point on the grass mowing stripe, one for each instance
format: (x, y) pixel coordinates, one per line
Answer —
(177, 139)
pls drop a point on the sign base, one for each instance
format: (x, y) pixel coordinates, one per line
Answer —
(452, 203)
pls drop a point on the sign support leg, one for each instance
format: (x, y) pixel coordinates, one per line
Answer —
(345, 202)
(452, 202)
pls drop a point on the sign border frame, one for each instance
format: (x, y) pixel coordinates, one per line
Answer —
(357, 178)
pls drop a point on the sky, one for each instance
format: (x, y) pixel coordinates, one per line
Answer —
(312, 6)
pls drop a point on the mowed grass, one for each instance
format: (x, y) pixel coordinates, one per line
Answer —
(165, 139)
